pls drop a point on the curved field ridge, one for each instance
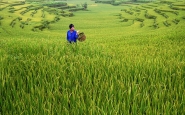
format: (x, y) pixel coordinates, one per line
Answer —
(162, 12)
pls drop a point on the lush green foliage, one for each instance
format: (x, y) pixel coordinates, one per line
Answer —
(121, 68)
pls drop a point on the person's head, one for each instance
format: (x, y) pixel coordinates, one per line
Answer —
(71, 27)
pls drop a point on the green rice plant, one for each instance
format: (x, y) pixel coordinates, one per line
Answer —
(137, 92)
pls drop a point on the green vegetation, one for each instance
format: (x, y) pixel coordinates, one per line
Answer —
(132, 61)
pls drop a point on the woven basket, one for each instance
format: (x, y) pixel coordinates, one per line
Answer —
(81, 37)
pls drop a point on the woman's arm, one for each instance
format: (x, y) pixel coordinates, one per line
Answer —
(76, 36)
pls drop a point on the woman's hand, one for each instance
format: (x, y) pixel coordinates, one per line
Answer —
(78, 31)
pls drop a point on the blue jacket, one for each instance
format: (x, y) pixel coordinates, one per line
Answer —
(71, 37)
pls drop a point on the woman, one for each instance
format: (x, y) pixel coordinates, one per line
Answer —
(72, 34)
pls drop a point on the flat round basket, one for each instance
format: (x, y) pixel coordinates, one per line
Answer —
(81, 37)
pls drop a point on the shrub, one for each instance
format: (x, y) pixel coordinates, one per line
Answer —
(176, 21)
(1, 18)
(19, 18)
(13, 23)
(84, 5)
(55, 4)
(76, 9)
(116, 3)
(70, 14)
(160, 11)
(166, 23)
(28, 19)
(127, 11)
(105, 2)
(125, 20)
(163, 14)
(63, 7)
(57, 18)
(142, 24)
(123, 10)
(156, 25)
(43, 15)
(175, 8)
(40, 27)
(166, 2)
(139, 19)
(16, 4)
(178, 4)
(11, 10)
(22, 26)
(148, 7)
(137, 10)
(150, 16)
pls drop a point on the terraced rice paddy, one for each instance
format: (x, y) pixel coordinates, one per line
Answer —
(132, 61)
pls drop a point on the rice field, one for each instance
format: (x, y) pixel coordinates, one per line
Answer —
(123, 67)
